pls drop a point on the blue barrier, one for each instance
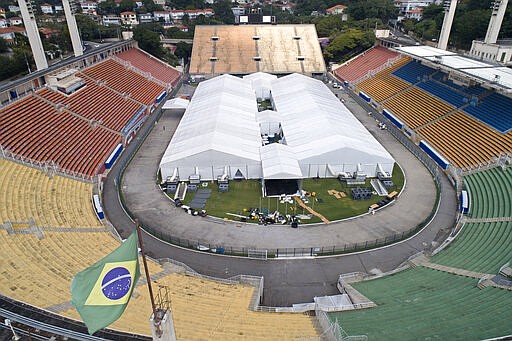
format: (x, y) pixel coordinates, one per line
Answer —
(393, 119)
(436, 157)
(97, 206)
(113, 156)
(464, 202)
(364, 96)
(161, 96)
(133, 120)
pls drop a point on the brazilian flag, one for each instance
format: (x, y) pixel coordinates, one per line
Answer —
(101, 292)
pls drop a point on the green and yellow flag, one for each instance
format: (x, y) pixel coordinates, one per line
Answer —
(101, 292)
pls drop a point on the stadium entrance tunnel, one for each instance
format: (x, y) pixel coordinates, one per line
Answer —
(282, 186)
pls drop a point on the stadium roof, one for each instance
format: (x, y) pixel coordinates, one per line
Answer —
(495, 76)
(244, 49)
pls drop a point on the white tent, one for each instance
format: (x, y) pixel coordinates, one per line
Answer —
(322, 132)
(218, 130)
(279, 162)
(261, 83)
(222, 129)
(176, 103)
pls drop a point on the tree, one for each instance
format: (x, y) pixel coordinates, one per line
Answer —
(183, 50)
(222, 9)
(3, 46)
(107, 7)
(469, 26)
(348, 44)
(382, 9)
(328, 25)
(125, 6)
(149, 41)
(151, 6)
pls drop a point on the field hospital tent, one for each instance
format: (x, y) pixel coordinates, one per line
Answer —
(310, 133)
(218, 133)
(324, 135)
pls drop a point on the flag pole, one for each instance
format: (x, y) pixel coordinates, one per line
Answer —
(156, 319)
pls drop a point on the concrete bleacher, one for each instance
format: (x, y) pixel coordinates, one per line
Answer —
(209, 310)
(425, 304)
(364, 63)
(414, 72)
(416, 107)
(465, 141)
(147, 63)
(26, 193)
(125, 81)
(494, 110)
(482, 247)
(34, 128)
(96, 102)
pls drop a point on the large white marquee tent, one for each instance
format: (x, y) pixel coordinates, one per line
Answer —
(222, 133)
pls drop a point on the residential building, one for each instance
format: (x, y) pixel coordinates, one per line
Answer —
(8, 32)
(145, 18)
(47, 9)
(89, 7)
(166, 16)
(334, 10)
(413, 9)
(15, 21)
(129, 18)
(108, 20)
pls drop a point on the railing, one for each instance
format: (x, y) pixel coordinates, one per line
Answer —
(49, 167)
(373, 72)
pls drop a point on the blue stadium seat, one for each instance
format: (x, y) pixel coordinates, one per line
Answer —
(413, 72)
(444, 92)
(494, 110)
(468, 91)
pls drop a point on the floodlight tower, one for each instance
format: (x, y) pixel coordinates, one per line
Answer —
(498, 12)
(29, 19)
(70, 11)
(449, 9)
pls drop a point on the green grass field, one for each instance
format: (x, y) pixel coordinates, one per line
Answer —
(247, 194)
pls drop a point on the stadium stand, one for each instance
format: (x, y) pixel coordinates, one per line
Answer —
(414, 72)
(494, 110)
(209, 310)
(416, 107)
(481, 247)
(464, 140)
(490, 193)
(98, 103)
(444, 92)
(422, 303)
(475, 90)
(384, 85)
(125, 81)
(364, 63)
(36, 129)
(52, 202)
(147, 63)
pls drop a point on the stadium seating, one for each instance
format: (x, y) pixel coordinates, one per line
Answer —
(443, 92)
(425, 304)
(57, 202)
(383, 84)
(414, 72)
(209, 310)
(36, 129)
(465, 141)
(95, 102)
(364, 63)
(494, 110)
(150, 64)
(481, 247)
(416, 107)
(125, 81)
(491, 193)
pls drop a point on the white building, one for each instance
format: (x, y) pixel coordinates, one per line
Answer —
(162, 14)
(89, 7)
(47, 9)
(145, 18)
(413, 9)
(129, 18)
(108, 20)
(310, 133)
(15, 21)
(3, 23)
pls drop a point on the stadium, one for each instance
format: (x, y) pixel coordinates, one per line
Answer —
(86, 147)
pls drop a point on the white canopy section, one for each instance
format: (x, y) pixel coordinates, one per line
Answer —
(217, 130)
(176, 103)
(324, 135)
(279, 162)
(269, 122)
(261, 83)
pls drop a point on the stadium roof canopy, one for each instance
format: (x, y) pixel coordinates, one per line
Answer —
(311, 133)
(244, 49)
(497, 77)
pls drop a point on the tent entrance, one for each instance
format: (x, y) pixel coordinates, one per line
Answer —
(284, 186)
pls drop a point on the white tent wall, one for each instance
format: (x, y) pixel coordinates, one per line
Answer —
(261, 83)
